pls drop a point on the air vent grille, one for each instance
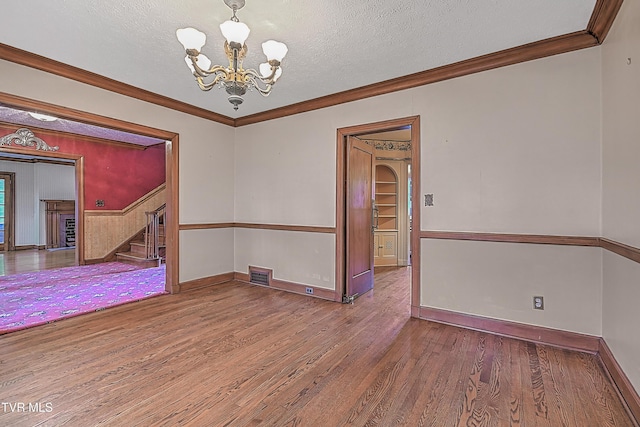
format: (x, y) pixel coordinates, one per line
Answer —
(260, 276)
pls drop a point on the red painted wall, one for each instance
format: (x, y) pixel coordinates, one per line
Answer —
(116, 174)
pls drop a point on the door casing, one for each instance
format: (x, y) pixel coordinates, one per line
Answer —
(341, 175)
(9, 211)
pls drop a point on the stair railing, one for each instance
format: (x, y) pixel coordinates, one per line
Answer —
(152, 232)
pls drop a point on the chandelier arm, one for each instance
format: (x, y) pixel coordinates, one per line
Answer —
(216, 69)
(251, 78)
(208, 86)
(206, 73)
(254, 75)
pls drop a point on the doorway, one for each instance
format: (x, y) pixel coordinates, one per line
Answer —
(392, 200)
(356, 216)
(171, 149)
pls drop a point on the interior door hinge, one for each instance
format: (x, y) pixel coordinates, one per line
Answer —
(349, 299)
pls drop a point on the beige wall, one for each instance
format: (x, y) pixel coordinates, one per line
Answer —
(285, 171)
(206, 172)
(621, 183)
(294, 256)
(210, 252)
(621, 127)
(513, 150)
(620, 315)
(499, 280)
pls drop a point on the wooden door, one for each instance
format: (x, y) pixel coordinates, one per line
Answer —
(359, 213)
(6, 211)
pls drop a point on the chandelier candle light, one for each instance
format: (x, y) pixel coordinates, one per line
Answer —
(235, 79)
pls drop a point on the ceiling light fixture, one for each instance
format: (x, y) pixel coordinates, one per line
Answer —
(235, 79)
(42, 117)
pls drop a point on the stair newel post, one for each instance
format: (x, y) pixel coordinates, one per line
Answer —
(151, 235)
(156, 235)
(147, 234)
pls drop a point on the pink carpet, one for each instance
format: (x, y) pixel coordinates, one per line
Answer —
(31, 299)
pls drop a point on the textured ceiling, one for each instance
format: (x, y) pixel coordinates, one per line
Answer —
(333, 46)
(22, 118)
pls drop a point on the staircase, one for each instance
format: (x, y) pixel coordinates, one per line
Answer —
(148, 248)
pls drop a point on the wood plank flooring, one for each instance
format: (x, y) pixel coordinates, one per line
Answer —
(242, 355)
(14, 262)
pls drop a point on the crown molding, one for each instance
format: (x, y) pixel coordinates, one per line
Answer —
(601, 20)
(22, 57)
(527, 52)
(83, 117)
(604, 13)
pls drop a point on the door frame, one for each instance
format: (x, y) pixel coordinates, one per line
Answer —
(172, 281)
(79, 190)
(341, 220)
(9, 212)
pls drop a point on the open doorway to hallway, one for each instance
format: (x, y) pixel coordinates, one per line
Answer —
(391, 197)
(38, 210)
(97, 159)
(377, 164)
(86, 120)
(391, 208)
(57, 233)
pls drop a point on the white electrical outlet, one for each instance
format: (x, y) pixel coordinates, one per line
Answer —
(538, 303)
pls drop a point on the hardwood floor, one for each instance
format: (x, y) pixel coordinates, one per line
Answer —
(15, 262)
(242, 355)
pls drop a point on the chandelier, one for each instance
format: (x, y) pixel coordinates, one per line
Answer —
(234, 79)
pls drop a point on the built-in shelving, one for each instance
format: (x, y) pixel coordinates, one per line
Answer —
(386, 234)
(386, 196)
